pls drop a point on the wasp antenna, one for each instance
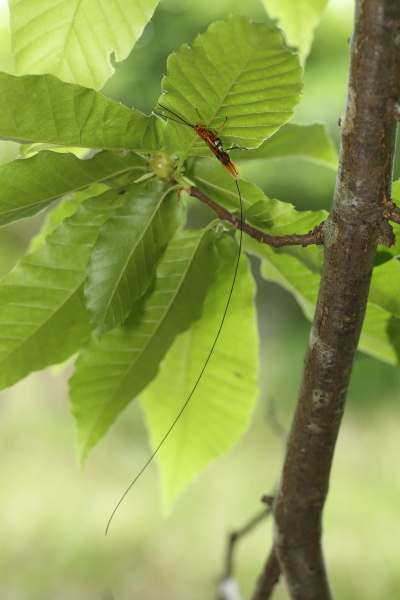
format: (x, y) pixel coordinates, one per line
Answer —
(227, 163)
(181, 121)
(221, 126)
(199, 115)
(201, 372)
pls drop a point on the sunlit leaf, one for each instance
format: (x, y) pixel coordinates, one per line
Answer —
(43, 317)
(41, 108)
(380, 334)
(396, 191)
(308, 142)
(292, 274)
(217, 183)
(64, 209)
(73, 39)
(111, 372)
(29, 185)
(297, 269)
(218, 414)
(268, 215)
(127, 250)
(385, 286)
(298, 19)
(239, 71)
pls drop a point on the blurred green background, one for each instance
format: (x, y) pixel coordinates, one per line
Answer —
(52, 517)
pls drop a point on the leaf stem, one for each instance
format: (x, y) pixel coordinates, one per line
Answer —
(316, 236)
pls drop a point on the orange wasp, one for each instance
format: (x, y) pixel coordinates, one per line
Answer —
(209, 137)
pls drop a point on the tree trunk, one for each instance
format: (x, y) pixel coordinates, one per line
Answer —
(363, 192)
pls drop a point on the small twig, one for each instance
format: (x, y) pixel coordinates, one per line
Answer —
(316, 236)
(392, 213)
(395, 216)
(236, 535)
(268, 499)
(268, 578)
(386, 234)
(228, 588)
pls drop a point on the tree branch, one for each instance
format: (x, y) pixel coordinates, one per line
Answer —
(351, 233)
(235, 536)
(268, 578)
(315, 236)
(392, 212)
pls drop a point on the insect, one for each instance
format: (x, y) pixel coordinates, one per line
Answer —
(209, 137)
(215, 145)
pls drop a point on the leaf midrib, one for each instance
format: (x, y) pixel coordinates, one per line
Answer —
(148, 227)
(149, 339)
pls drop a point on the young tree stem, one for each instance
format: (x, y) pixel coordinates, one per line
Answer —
(363, 190)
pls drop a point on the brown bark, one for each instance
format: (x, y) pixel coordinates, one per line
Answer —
(268, 578)
(362, 195)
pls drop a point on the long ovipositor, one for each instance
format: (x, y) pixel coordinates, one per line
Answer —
(215, 144)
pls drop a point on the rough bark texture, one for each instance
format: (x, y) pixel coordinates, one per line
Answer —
(362, 194)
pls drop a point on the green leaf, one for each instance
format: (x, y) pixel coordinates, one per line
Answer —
(308, 142)
(43, 319)
(385, 286)
(294, 276)
(298, 19)
(271, 216)
(111, 372)
(127, 250)
(384, 253)
(64, 209)
(218, 414)
(219, 185)
(74, 39)
(393, 332)
(396, 191)
(30, 185)
(41, 108)
(380, 335)
(237, 70)
(281, 218)
(290, 273)
(28, 150)
(298, 269)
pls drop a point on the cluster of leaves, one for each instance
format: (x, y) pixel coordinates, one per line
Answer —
(114, 276)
